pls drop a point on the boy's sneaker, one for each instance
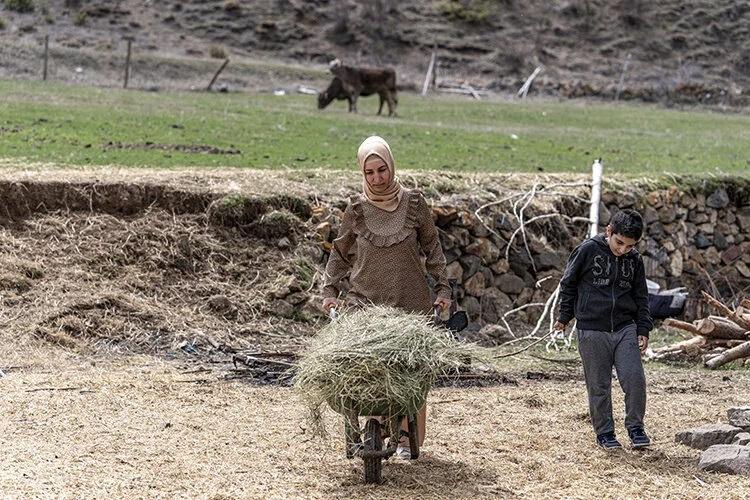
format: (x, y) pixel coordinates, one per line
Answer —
(608, 441)
(638, 437)
(403, 453)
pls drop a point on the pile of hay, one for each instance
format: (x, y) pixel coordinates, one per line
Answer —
(378, 361)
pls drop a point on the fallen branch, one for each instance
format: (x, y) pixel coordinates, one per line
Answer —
(681, 325)
(741, 351)
(727, 311)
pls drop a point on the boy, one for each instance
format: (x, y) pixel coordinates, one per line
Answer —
(604, 288)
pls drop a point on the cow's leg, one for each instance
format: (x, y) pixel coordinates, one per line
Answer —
(353, 107)
(382, 100)
(351, 102)
(391, 104)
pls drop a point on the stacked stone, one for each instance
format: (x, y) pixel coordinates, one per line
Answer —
(489, 284)
(726, 447)
(686, 233)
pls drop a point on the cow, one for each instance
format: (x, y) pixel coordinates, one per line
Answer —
(351, 82)
(336, 90)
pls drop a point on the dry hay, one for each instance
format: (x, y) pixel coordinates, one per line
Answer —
(154, 283)
(377, 361)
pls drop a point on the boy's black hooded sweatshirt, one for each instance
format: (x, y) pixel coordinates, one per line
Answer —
(604, 292)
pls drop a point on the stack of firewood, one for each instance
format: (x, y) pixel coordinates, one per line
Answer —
(716, 340)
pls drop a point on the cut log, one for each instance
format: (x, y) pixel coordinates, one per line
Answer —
(741, 351)
(681, 325)
(727, 311)
(695, 343)
(721, 328)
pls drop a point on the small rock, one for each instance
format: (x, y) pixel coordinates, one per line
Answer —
(604, 214)
(650, 216)
(720, 241)
(484, 249)
(718, 199)
(455, 271)
(471, 264)
(707, 435)
(743, 269)
(500, 267)
(731, 254)
(472, 307)
(728, 458)
(676, 264)
(444, 216)
(742, 439)
(702, 241)
(496, 333)
(475, 285)
(739, 416)
(743, 218)
(713, 256)
(510, 283)
(654, 199)
(667, 214)
(494, 304)
(549, 260)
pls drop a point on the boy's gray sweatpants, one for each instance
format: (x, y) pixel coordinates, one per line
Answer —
(600, 351)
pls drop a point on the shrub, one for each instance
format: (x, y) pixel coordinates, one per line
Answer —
(19, 5)
(80, 19)
(231, 5)
(217, 52)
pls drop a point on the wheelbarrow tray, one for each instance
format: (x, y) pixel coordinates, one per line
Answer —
(346, 405)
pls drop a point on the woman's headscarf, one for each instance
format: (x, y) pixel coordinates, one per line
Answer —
(388, 197)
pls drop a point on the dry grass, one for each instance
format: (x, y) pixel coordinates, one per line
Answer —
(79, 426)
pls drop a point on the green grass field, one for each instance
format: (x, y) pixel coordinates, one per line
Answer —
(71, 125)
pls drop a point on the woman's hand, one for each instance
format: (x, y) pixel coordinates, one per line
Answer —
(329, 303)
(442, 303)
(559, 327)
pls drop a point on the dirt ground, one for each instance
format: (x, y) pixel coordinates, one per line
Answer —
(113, 427)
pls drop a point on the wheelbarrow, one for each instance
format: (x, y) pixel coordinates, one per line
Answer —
(384, 419)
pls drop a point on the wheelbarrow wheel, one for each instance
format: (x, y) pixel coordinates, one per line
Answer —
(413, 437)
(373, 442)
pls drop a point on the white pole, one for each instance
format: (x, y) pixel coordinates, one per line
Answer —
(428, 76)
(596, 195)
(527, 84)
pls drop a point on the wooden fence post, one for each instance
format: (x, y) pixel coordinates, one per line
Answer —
(127, 63)
(622, 78)
(428, 76)
(46, 57)
(213, 80)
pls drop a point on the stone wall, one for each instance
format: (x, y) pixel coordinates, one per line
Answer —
(696, 236)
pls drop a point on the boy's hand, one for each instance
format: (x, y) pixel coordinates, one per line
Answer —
(559, 327)
(643, 343)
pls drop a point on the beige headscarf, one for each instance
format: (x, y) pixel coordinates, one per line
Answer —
(389, 197)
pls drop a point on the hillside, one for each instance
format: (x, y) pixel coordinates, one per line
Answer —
(680, 51)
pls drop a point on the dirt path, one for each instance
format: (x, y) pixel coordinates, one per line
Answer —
(142, 427)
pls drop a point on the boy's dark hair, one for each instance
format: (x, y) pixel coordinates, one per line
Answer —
(628, 223)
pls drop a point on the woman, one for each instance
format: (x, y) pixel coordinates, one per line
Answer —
(382, 233)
